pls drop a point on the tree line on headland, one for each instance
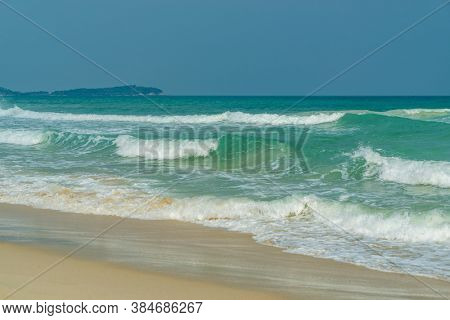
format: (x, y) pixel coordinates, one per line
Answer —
(121, 91)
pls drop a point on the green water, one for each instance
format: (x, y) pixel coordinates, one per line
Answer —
(359, 179)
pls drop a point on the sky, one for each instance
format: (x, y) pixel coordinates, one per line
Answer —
(233, 47)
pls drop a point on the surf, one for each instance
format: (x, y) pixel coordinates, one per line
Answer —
(160, 149)
(226, 117)
(22, 137)
(412, 172)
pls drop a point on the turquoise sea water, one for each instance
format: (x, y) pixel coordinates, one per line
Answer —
(369, 185)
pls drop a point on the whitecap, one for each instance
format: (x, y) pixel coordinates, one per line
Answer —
(228, 117)
(128, 146)
(413, 172)
(22, 137)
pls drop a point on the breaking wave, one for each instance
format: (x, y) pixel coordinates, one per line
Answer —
(419, 111)
(22, 137)
(128, 146)
(238, 213)
(225, 117)
(228, 117)
(413, 172)
(353, 218)
(438, 115)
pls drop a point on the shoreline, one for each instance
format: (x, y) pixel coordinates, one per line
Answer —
(184, 255)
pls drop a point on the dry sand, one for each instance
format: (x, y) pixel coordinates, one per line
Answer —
(167, 259)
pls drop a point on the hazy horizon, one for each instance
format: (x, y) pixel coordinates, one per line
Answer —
(240, 95)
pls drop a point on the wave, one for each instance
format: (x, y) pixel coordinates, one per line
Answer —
(128, 146)
(232, 146)
(430, 226)
(228, 117)
(419, 111)
(413, 172)
(82, 143)
(351, 218)
(420, 114)
(275, 119)
(22, 137)
(238, 213)
(342, 230)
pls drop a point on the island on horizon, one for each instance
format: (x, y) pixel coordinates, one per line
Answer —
(121, 91)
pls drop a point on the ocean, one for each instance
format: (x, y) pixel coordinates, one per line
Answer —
(364, 180)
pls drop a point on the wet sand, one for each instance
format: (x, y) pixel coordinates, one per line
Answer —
(139, 259)
(81, 279)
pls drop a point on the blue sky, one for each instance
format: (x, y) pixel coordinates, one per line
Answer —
(244, 47)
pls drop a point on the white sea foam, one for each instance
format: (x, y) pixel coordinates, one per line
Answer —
(440, 115)
(275, 119)
(306, 224)
(229, 117)
(128, 146)
(358, 219)
(422, 111)
(239, 213)
(354, 219)
(435, 173)
(22, 137)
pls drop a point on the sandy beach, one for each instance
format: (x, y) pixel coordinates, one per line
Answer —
(169, 259)
(81, 279)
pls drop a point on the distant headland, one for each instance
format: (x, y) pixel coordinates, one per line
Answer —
(122, 91)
